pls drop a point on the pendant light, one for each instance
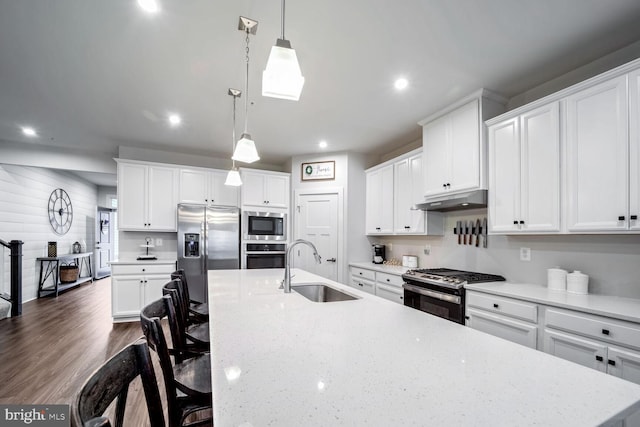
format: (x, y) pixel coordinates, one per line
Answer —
(246, 149)
(282, 78)
(233, 177)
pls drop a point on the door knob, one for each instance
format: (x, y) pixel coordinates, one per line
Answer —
(331, 260)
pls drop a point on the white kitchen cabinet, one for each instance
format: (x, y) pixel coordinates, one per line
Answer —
(407, 181)
(507, 318)
(597, 157)
(634, 150)
(453, 145)
(393, 188)
(609, 345)
(147, 197)
(135, 285)
(206, 187)
(524, 172)
(365, 285)
(265, 189)
(384, 285)
(379, 201)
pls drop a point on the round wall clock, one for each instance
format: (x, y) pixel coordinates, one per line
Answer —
(60, 211)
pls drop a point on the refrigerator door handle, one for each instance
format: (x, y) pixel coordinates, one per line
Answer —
(205, 243)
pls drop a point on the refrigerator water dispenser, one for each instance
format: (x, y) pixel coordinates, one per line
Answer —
(192, 245)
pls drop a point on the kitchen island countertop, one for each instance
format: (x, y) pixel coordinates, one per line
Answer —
(279, 359)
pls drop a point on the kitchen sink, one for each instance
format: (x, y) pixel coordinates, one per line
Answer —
(321, 292)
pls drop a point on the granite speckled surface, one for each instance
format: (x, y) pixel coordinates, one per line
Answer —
(281, 360)
(603, 305)
(382, 268)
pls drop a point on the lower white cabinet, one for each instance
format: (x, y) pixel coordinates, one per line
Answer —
(506, 318)
(135, 285)
(504, 327)
(384, 285)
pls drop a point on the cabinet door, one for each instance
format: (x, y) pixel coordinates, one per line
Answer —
(435, 154)
(253, 189)
(390, 292)
(504, 177)
(126, 296)
(220, 194)
(153, 288)
(464, 148)
(624, 364)
(540, 169)
(402, 197)
(585, 352)
(192, 186)
(363, 284)
(132, 196)
(503, 327)
(597, 157)
(634, 150)
(277, 191)
(417, 217)
(163, 198)
(379, 201)
(372, 213)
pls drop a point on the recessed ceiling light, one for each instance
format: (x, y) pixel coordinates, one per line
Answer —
(401, 83)
(149, 6)
(322, 144)
(175, 120)
(29, 131)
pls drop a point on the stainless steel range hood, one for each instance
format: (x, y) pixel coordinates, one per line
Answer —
(456, 202)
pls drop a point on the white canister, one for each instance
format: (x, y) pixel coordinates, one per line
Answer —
(410, 261)
(557, 279)
(578, 283)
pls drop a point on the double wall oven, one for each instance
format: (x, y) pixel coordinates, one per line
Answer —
(440, 291)
(265, 234)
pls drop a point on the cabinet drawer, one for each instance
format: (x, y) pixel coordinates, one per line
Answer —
(392, 293)
(363, 284)
(389, 279)
(603, 328)
(361, 272)
(121, 269)
(507, 306)
(503, 327)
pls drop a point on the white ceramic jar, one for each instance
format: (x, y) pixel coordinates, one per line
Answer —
(557, 279)
(578, 283)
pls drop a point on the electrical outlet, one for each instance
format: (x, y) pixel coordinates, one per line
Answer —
(427, 249)
(158, 242)
(390, 246)
(525, 254)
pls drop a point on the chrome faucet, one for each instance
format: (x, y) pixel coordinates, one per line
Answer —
(286, 283)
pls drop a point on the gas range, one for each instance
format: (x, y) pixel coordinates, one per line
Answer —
(440, 291)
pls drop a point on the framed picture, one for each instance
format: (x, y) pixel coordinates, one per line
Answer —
(318, 171)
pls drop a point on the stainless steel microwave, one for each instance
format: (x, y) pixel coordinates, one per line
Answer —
(264, 225)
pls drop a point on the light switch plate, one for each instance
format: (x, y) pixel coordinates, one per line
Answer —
(158, 242)
(427, 249)
(525, 254)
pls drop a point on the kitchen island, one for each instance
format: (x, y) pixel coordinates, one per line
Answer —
(282, 360)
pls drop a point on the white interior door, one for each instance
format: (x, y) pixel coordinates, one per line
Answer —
(104, 241)
(317, 222)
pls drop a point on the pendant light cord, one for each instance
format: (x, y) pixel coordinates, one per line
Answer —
(233, 134)
(246, 87)
(282, 20)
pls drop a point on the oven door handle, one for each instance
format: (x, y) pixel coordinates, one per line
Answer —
(265, 252)
(433, 294)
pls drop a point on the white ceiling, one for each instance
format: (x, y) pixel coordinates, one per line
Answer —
(100, 74)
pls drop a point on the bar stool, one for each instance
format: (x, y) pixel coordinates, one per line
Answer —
(197, 311)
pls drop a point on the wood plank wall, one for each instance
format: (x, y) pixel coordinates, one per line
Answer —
(24, 196)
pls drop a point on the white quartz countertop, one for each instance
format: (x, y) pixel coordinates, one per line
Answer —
(610, 306)
(382, 268)
(281, 360)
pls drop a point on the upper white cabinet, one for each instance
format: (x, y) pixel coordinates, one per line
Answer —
(265, 189)
(453, 143)
(524, 172)
(393, 188)
(597, 147)
(379, 205)
(634, 150)
(207, 186)
(147, 197)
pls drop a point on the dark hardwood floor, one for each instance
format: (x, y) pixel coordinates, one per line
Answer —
(48, 352)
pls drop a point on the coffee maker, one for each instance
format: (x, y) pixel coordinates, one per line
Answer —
(378, 254)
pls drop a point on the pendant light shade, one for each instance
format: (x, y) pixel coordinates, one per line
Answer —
(245, 150)
(282, 78)
(233, 178)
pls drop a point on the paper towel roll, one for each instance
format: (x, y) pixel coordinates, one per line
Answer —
(557, 279)
(578, 283)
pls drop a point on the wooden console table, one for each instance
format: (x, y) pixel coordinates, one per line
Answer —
(50, 268)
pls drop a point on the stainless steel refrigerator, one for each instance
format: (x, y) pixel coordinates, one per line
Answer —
(208, 239)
